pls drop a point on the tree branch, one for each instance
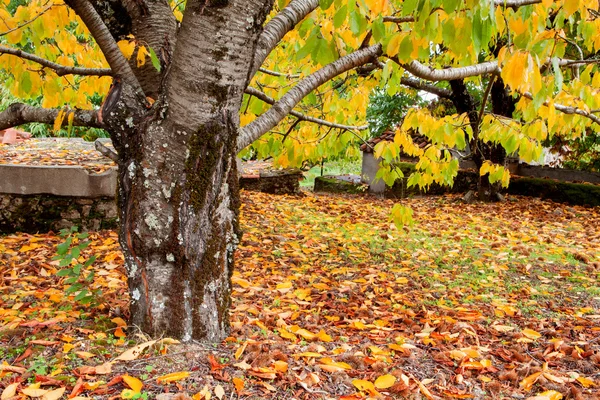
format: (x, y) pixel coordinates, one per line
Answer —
(59, 69)
(19, 114)
(106, 42)
(420, 85)
(106, 152)
(568, 110)
(450, 74)
(303, 117)
(278, 26)
(278, 74)
(281, 108)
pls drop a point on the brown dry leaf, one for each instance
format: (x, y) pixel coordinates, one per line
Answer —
(219, 391)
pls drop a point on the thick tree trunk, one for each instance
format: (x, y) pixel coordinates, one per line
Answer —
(179, 203)
(178, 193)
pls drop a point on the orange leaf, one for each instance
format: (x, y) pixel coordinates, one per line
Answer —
(134, 383)
(239, 385)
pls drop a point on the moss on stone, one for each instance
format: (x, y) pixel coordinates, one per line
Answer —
(564, 192)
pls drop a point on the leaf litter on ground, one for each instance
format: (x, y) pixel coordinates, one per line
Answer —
(330, 300)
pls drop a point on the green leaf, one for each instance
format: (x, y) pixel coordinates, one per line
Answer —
(63, 272)
(81, 295)
(154, 59)
(358, 23)
(406, 48)
(340, 16)
(325, 4)
(62, 248)
(89, 261)
(557, 73)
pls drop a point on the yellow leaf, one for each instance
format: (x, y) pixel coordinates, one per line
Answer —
(284, 287)
(54, 394)
(531, 334)
(586, 382)
(570, 7)
(385, 381)
(287, 335)
(134, 383)
(141, 56)
(9, 391)
(68, 347)
(305, 334)
(547, 395)
(324, 337)
(127, 47)
(59, 119)
(365, 386)
(173, 377)
(240, 351)
(394, 44)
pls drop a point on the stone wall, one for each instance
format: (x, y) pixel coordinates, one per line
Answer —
(44, 213)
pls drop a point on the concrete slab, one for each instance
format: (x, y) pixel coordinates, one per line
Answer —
(57, 180)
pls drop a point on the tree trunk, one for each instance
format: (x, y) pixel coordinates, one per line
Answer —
(178, 193)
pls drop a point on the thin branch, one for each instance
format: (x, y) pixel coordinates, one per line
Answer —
(105, 151)
(399, 20)
(278, 26)
(449, 74)
(303, 117)
(106, 42)
(278, 74)
(426, 87)
(281, 108)
(59, 69)
(19, 114)
(515, 3)
(23, 24)
(488, 89)
(568, 110)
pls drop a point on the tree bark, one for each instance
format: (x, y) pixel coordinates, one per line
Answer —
(178, 194)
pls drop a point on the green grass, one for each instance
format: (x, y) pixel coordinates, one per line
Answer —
(338, 167)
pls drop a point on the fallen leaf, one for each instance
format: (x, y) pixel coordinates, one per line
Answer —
(172, 377)
(385, 381)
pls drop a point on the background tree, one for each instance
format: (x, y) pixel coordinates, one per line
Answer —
(188, 85)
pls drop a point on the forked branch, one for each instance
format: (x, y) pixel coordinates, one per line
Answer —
(117, 61)
(278, 26)
(283, 106)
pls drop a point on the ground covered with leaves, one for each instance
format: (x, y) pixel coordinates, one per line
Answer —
(330, 300)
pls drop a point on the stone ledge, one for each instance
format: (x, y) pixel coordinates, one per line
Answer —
(57, 180)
